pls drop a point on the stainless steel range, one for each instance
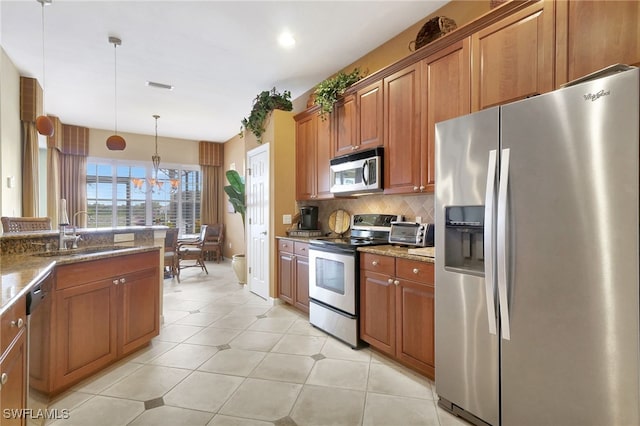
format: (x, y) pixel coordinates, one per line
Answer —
(334, 275)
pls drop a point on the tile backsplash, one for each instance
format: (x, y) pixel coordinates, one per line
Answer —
(410, 206)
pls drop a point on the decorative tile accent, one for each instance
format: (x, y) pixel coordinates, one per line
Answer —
(409, 206)
(285, 421)
(153, 403)
(318, 357)
(223, 347)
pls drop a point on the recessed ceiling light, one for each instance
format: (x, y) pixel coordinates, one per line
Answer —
(285, 39)
(159, 85)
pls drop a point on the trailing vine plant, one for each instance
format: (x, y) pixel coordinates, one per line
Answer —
(328, 91)
(263, 104)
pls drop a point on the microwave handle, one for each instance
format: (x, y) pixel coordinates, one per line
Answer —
(365, 171)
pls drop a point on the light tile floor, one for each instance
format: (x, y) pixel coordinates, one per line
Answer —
(227, 357)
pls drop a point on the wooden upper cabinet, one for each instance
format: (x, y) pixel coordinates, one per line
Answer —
(324, 151)
(402, 161)
(314, 149)
(370, 116)
(345, 121)
(514, 57)
(445, 95)
(591, 35)
(305, 157)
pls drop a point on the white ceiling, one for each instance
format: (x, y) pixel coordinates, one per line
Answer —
(218, 54)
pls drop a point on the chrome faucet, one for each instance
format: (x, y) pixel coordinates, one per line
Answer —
(73, 237)
(64, 238)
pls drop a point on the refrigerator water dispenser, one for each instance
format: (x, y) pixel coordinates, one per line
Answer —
(464, 239)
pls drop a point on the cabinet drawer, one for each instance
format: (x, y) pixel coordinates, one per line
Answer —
(101, 269)
(377, 263)
(415, 271)
(300, 248)
(285, 245)
(13, 320)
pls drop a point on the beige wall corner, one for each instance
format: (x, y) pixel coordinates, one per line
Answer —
(234, 155)
(10, 138)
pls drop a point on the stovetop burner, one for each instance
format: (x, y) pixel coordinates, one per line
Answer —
(366, 230)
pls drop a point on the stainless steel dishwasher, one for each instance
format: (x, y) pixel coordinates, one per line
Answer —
(38, 323)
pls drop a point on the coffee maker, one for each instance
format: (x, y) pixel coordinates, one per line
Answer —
(308, 218)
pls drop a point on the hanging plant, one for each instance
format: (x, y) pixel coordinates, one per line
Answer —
(328, 92)
(263, 104)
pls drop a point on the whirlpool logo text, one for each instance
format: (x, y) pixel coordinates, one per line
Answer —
(595, 96)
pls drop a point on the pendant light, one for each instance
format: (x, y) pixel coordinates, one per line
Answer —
(115, 142)
(44, 125)
(155, 159)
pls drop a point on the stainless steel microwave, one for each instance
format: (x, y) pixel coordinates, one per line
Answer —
(358, 173)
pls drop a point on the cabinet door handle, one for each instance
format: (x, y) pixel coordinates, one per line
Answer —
(303, 249)
(390, 280)
(115, 281)
(19, 323)
(123, 280)
(416, 270)
(421, 188)
(374, 263)
(396, 282)
(415, 188)
(4, 378)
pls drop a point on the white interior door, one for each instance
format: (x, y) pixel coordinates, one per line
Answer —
(257, 191)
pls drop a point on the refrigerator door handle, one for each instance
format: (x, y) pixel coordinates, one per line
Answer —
(501, 233)
(489, 261)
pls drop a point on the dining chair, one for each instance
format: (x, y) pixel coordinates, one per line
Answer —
(190, 252)
(25, 224)
(171, 253)
(213, 240)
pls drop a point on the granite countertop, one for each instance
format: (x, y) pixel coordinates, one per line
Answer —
(302, 239)
(395, 251)
(19, 272)
(80, 231)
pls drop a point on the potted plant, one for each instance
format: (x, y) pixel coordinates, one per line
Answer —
(328, 91)
(263, 104)
(236, 194)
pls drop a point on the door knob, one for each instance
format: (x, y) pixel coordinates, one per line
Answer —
(390, 280)
(19, 323)
(416, 270)
(4, 378)
(396, 282)
(263, 233)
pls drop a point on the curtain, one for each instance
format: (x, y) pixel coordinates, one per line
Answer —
(210, 154)
(30, 164)
(73, 187)
(73, 172)
(54, 146)
(209, 211)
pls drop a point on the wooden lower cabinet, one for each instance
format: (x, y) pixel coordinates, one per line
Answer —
(397, 309)
(99, 321)
(13, 383)
(293, 273)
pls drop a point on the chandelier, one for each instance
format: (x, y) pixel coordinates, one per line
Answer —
(154, 183)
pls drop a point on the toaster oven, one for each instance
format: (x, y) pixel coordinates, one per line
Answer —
(411, 234)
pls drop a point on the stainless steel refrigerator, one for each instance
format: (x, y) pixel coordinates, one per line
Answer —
(537, 258)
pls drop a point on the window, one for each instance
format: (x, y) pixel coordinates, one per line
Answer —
(121, 193)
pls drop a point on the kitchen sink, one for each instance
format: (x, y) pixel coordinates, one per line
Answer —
(80, 251)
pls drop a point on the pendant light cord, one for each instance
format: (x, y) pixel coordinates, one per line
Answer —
(44, 84)
(115, 84)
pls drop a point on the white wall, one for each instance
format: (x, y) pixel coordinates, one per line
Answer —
(10, 145)
(142, 147)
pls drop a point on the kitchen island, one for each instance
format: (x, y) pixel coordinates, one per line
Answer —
(102, 302)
